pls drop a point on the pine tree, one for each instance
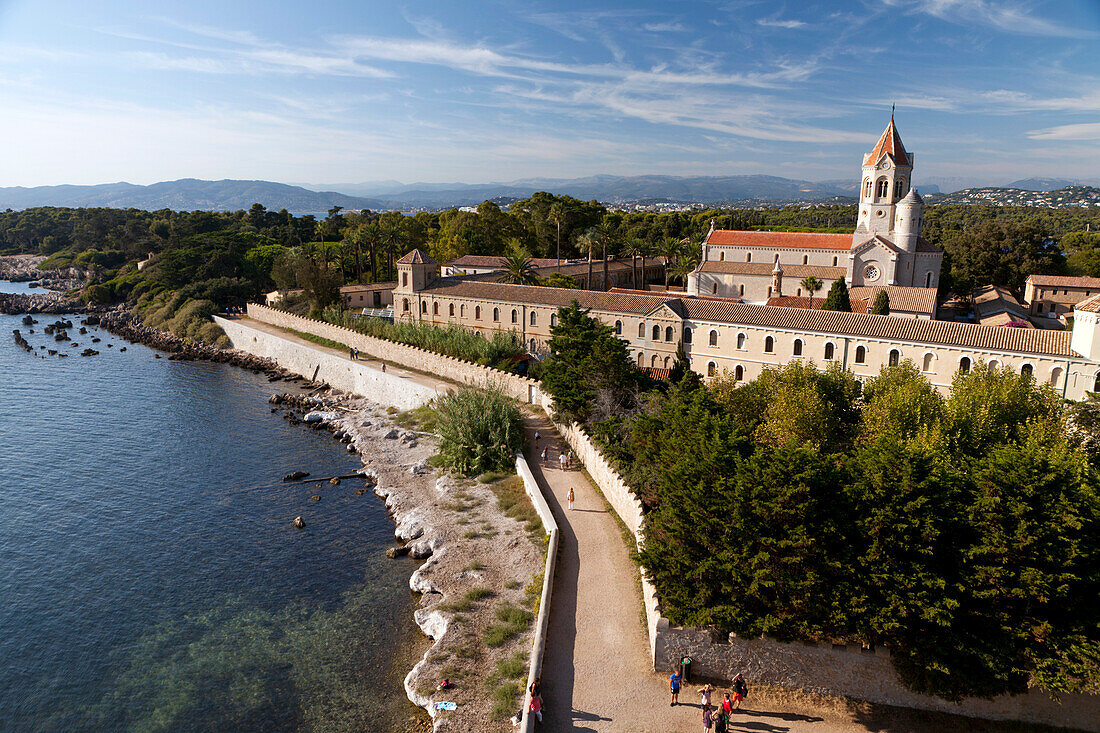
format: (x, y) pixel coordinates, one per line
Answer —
(838, 299)
(881, 304)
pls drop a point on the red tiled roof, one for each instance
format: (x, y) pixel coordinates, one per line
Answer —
(802, 240)
(1092, 305)
(1064, 281)
(417, 257)
(914, 330)
(802, 301)
(538, 295)
(497, 261)
(889, 144)
(911, 300)
(765, 268)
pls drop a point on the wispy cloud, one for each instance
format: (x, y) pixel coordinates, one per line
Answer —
(777, 23)
(664, 27)
(1082, 131)
(1007, 16)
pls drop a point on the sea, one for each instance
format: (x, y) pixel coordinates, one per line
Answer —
(151, 578)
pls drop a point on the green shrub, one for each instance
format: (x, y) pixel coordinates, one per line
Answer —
(479, 431)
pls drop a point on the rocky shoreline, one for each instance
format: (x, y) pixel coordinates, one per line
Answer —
(478, 561)
(14, 304)
(24, 268)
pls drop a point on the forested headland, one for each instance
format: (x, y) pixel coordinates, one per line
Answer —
(228, 258)
(962, 532)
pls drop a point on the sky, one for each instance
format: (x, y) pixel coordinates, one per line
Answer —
(986, 91)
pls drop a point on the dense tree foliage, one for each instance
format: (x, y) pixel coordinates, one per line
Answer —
(838, 299)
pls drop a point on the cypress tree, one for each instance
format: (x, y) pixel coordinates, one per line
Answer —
(881, 304)
(838, 299)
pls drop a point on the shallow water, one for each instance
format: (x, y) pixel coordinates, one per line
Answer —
(150, 577)
(6, 286)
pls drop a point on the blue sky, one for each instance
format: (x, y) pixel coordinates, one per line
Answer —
(986, 91)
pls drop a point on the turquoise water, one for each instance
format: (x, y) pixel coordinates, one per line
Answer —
(150, 577)
(10, 287)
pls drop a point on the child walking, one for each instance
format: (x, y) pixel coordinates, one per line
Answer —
(572, 497)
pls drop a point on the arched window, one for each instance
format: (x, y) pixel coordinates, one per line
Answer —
(928, 279)
(653, 361)
(515, 316)
(618, 328)
(641, 359)
(882, 190)
(404, 279)
(867, 188)
(477, 312)
(993, 365)
(666, 362)
(712, 369)
(721, 256)
(739, 373)
(405, 304)
(899, 189)
(687, 335)
(798, 347)
(714, 289)
(1096, 383)
(553, 319)
(641, 330)
(462, 310)
(668, 333)
(496, 314)
(805, 259)
(532, 318)
(423, 307)
(829, 349)
(964, 364)
(741, 290)
(861, 355)
(1027, 370)
(713, 338)
(800, 292)
(451, 310)
(769, 345)
(769, 291)
(895, 357)
(929, 359)
(532, 344)
(656, 333)
(435, 309)
(834, 261)
(742, 339)
(1055, 376)
(748, 257)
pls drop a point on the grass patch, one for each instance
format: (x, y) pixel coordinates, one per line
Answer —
(505, 700)
(513, 622)
(490, 476)
(532, 593)
(471, 534)
(320, 340)
(513, 584)
(474, 566)
(421, 418)
(512, 668)
(514, 502)
(467, 601)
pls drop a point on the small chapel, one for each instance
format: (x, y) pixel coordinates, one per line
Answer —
(885, 251)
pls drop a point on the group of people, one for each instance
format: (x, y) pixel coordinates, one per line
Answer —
(565, 460)
(716, 718)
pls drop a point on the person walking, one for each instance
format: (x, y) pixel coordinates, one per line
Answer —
(546, 455)
(383, 367)
(721, 721)
(727, 705)
(351, 353)
(572, 497)
(708, 719)
(740, 691)
(536, 707)
(537, 436)
(704, 693)
(674, 685)
(562, 460)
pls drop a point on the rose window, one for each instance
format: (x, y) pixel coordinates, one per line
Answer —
(870, 273)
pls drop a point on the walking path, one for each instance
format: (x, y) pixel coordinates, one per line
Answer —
(597, 675)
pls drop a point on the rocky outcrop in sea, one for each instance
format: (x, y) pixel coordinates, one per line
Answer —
(13, 304)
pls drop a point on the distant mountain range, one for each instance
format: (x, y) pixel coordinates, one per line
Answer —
(186, 194)
(1062, 198)
(191, 194)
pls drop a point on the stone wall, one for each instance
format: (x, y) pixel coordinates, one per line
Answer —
(338, 371)
(538, 643)
(444, 367)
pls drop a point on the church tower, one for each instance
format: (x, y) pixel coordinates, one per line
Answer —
(887, 171)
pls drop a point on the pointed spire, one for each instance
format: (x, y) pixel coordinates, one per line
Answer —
(889, 144)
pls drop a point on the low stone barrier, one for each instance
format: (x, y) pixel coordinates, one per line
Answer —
(514, 386)
(338, 371)
(538, 644)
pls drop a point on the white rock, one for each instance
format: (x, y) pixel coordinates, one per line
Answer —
(432, 623)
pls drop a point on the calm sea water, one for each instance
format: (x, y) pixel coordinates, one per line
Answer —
(150, 577)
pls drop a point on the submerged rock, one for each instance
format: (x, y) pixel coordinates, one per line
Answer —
(296, 476)
(299, 523)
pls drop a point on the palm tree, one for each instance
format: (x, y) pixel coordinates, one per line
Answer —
(606, 233)
(587, 241)
(372, 234)
(812, 285)
(557, 213)
(391, 236)
(518, 270)
(634, 247)
(671, 249)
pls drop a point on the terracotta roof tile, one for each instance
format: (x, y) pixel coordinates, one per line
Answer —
(889, 144)
(537, 295)
(911, 300)
(800, 240)
(417, 257)
(1064, 281)
(1092, 305)
(765, 268)
(914, 330)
